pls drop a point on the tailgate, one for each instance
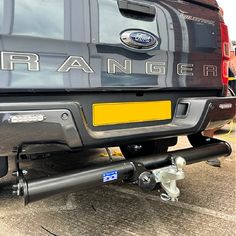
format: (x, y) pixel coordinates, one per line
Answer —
(187, 51)
(110, 43)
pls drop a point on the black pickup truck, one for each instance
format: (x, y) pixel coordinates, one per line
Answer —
(101, 73)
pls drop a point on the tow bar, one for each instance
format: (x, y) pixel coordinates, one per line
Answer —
(165, 169)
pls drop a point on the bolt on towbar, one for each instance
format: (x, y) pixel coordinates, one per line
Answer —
(165, 169)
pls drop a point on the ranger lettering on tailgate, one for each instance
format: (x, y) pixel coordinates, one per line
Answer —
(32, 61)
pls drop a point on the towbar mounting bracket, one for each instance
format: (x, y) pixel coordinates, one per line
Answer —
(139, 168)
(18, 188)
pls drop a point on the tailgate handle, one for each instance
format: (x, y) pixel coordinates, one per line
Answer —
(136, 8)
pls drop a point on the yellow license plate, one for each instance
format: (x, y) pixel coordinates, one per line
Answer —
(130, 112)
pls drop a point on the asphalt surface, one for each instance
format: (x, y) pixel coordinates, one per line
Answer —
(207, 205)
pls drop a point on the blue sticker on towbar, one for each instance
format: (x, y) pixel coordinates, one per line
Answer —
(110, 176)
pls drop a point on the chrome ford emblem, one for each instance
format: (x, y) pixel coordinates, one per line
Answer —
(139, 39)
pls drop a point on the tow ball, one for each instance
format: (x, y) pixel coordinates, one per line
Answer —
(166, 177)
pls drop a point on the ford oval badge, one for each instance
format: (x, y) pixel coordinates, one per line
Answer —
(139, 39)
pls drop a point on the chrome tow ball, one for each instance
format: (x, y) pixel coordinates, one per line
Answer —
(166, 177)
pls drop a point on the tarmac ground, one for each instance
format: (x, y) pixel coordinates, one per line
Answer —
(207, 205)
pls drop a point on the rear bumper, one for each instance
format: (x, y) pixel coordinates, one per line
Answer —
(65, 126)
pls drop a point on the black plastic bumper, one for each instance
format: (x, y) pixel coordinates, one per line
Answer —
(66, 126)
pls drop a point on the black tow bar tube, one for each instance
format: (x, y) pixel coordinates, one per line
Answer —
(34, 190)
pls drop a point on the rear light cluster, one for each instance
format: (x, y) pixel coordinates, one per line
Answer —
(225, 52)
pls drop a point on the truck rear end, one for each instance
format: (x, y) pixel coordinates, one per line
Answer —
(99, 73)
